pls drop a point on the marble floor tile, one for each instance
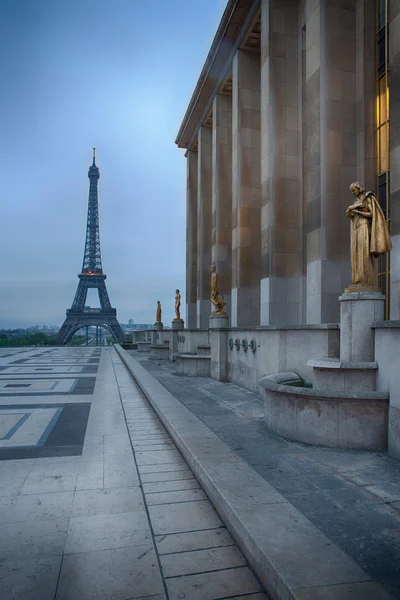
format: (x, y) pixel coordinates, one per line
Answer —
(139, 447)
(90, 475)
(171, 497)
(31, 539)
(106, 501)
(195, 540)
(92, 452)
(186, 516)
(119, 473)
(29, 579)
(149, 437)
(220, 584)
(13, 474)
(144, 431)
(151, 457)
(118, 574)
(56, 476)
(171, 486)
(57, 505)
(165, 475)
(106, 531)
(200, 561)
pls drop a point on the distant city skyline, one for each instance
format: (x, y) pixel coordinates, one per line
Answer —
(87, 74)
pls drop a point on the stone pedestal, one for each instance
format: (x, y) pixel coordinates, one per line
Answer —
(143, 346)
(158, 326)
(159, 352)
(334, 374)
(178, 324)
(218, 321)
(219, 353)
(358, 311)
(219, 346)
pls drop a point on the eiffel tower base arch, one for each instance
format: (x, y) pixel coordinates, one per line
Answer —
(76, 319)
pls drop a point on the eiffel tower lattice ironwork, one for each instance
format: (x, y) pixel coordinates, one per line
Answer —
(92, 276)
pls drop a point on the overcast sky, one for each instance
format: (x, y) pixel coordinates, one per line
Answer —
(114, 75)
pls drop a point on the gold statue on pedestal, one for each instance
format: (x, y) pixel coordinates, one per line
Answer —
(369, 238)
(177, 306)
(158, 312)
(216, 298)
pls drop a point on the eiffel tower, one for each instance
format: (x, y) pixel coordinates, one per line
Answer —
(92, 276)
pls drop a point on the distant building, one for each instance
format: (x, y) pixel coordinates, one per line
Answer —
(135, 326)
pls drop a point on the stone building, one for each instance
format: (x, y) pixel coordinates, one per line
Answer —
(291, 106)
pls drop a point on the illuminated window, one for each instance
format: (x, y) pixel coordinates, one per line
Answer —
(382, 138)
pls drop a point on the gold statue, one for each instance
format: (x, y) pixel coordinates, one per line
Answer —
(158, 312)
(216, 298)
(369, 236)
(177, 306)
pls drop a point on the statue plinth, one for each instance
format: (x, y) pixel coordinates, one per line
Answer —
(158, 326)
(358, 311)
(218, 320)
(178, 324)
(356, 289)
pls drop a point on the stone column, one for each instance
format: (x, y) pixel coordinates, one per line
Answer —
(204, 223)
(394, 69)
(366, 92)
(280, 165)
(221, 252)
(191, 240)
(246, 163)
(330, 146)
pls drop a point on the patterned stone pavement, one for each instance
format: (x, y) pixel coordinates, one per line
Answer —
(95, 500)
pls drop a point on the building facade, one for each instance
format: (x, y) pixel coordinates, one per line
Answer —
(292, 105)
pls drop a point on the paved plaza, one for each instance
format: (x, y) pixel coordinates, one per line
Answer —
(96, 502)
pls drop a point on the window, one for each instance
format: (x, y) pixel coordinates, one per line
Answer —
(382, 138)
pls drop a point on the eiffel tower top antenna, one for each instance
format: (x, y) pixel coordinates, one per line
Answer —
(92, 254)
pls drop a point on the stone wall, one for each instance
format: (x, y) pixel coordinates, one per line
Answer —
(188, 340)
(278, 350)
(387, 353)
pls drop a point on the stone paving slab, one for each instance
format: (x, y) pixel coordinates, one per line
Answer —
(74, 526)
(120, 516)
(254, 480)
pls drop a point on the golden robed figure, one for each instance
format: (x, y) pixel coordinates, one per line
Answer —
(177, 306)
(216, 298)
(158, 312)
(369, 237)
